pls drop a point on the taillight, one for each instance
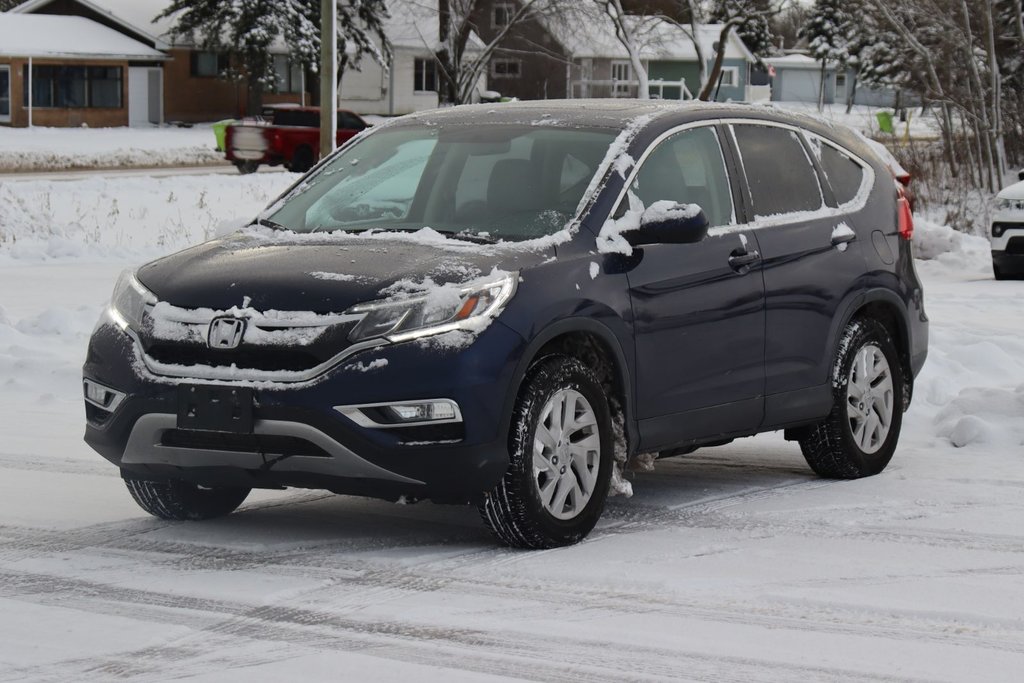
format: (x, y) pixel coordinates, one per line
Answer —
(904, 213)
(275, 141)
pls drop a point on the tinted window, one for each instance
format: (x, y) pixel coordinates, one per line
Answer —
(688, 168)
(780, 176)
(843, 173)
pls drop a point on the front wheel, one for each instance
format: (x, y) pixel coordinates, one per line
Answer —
(858, 438)
(560, 459)
(180, 500)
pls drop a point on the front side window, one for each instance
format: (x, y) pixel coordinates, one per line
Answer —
(492, 181)
(779, 172)
(424, 75)
(687, 168)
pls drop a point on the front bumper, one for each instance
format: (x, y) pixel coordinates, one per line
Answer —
(453, 462)
(1007, 263)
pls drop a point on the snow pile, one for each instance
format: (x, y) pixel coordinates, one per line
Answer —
(126, 217)
(936, 241)
(984, 416)
(49, 149)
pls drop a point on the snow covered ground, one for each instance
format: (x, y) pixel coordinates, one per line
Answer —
(733, 563)
(37, 149)
(863, 118)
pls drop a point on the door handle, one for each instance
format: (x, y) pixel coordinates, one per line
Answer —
(843, 238)
(744, 259)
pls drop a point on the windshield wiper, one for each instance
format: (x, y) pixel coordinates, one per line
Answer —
(267, 223)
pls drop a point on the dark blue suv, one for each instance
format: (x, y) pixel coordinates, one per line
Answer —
(500, 306)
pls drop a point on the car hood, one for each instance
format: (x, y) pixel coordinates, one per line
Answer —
(325, 274)
(1015, 191)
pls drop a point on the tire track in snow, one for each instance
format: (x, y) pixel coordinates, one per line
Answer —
(223, 627)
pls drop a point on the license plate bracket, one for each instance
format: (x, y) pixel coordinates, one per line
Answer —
(215, 408)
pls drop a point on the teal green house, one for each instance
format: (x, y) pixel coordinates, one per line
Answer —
(600, 65)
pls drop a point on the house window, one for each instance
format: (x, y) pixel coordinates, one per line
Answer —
(75, 87)
(502, 13)
(205, 64)
(730, 76)
(424, 75)
(622, 76)
(5, 93)
(506, 68)
(287, 75)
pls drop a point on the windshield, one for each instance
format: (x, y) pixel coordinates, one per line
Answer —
(494, 182)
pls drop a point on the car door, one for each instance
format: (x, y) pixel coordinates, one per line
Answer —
(810, 265)
(698, 308)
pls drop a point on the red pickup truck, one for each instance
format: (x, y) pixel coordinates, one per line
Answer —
(284, 135)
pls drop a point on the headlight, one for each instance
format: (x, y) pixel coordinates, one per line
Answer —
(129, 301)
(1004, 203)
(445, 309)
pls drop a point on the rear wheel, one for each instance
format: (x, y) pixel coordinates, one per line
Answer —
(180, 500)
(560, 459)
(247, 167)
(859, 436)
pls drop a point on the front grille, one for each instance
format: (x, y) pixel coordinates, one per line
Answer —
(1015, 245)
(245, 357)
(263, 444)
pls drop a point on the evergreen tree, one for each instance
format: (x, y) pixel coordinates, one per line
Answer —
(752, 24)
(827, 33)
(248, 29)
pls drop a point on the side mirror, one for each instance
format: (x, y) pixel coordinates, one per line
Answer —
(667, 222)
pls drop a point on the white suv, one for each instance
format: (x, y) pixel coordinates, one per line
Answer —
(1008, 232)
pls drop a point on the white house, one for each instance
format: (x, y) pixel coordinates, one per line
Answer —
(411, 82)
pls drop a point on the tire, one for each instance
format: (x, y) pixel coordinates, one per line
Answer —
(302, 160)
(854, 441)
(515, 510)
(247, 167)
(180, 500)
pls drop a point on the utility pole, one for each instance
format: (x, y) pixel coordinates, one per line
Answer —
(328, 76)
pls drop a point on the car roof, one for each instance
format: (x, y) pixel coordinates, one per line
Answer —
(619, 114)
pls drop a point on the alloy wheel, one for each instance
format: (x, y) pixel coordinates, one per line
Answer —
(566, 454)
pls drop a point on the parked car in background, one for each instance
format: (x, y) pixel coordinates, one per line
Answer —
(494, 305)
(284, 135)
(1007, 234)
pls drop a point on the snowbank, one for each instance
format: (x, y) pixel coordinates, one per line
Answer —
(49, 149)
(118, 218)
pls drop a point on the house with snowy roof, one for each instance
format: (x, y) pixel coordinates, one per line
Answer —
(161, 78)
(798, 78)
(600, 64)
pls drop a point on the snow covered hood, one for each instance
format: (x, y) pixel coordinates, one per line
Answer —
(318, 273)
(1015, 191)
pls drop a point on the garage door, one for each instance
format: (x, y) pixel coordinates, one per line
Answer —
(799, 86)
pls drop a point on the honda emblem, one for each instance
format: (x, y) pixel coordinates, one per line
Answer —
(225, 333)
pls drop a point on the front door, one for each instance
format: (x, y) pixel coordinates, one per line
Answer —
(698, 308)
(5, 94)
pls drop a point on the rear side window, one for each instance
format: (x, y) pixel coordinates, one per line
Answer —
(779, 173)
(347, 121)
(844, 174)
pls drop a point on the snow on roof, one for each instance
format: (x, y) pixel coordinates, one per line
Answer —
(48, 35)
(414, 24)
(593, 36)
(795, 61)
(135, 15)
